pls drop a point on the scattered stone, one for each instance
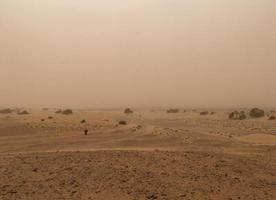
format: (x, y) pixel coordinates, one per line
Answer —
(85, 132)
(83, 121)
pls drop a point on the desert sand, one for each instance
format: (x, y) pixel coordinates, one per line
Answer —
(157, 155)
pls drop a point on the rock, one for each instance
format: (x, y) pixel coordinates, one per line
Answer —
(83, 121)
(256, 113)
(50, 117)
(85, 132)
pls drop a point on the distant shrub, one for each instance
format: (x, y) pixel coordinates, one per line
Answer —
(122, 122)
(204, 113)
(256, 113)
(6, 111)
(58, 111)
(272, 117)
(67, 112)
(83, 121)
(128, 111)
(237, 115)
(24, 112)
(173, 110)
(50, 117)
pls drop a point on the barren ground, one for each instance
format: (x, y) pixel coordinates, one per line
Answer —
(155, 156)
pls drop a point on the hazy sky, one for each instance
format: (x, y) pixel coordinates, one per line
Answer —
(116, 53)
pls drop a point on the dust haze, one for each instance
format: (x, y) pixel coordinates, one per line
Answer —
(112, 53)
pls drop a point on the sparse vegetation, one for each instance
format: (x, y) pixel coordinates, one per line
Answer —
(83, 121)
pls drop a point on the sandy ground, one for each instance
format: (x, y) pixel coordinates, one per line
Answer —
(155, 156)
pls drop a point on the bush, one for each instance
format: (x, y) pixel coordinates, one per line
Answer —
(204, 113)
(256, 113)
(24, 112)
(67, 112)
(122, 122)
(6, 111)
(174, 110)
(128, 111)
(58, 111)
(83, 121)
(272, 117)
(237, 115)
